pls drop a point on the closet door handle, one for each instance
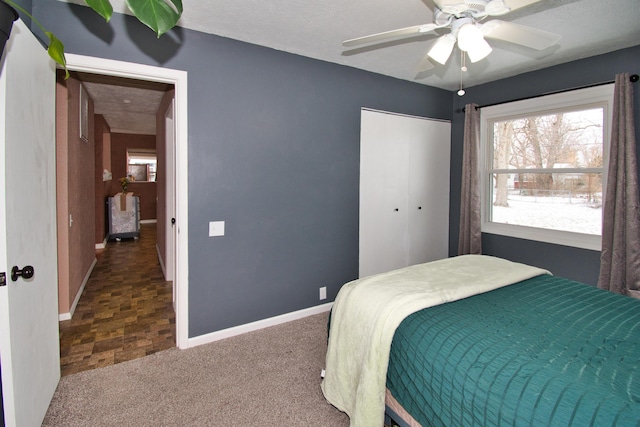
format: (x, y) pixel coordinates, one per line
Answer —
(396, 209)
(419, 207)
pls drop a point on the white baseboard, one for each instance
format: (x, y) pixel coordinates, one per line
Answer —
(102, 245)
(148, 221)
(260, 324)
(164, 272)
(68, 316)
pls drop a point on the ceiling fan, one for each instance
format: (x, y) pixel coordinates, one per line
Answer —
(463, 19)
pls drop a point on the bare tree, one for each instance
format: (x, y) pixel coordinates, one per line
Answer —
(535, 130)
(564, 140)
(503, 135)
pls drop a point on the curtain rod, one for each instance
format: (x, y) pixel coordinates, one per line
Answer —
(633, 78)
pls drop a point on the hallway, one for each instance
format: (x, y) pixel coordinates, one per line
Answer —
(125, 311)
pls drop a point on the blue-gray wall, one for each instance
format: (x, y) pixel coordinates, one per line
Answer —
(578, 264)
(273, 151)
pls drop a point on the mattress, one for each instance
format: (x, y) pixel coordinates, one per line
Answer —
(544, 351)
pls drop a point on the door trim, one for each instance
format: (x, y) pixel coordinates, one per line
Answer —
(170, 150)
(178, 78)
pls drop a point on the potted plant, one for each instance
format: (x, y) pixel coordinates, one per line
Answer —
(159, 15)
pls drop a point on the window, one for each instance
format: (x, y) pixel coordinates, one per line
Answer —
(141, 165)
(544, 167)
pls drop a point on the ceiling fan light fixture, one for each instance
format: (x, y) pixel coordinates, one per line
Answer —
(471, 40)
(442, 49)
(479, 51)
(468, 35)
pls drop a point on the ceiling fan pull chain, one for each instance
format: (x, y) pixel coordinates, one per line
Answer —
(463, 68)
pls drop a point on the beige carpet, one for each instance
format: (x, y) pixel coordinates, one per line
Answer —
(269, 378)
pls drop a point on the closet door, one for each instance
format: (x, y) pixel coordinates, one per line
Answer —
(404, 191)
(428, 209)
(384, 153)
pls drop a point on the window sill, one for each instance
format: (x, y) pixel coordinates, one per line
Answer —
(565, 238)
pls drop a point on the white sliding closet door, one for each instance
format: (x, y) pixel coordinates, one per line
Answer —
(404, 191)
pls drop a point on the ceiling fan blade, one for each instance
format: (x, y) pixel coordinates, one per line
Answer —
(503, 6)
(519, 34)
(517, 4)
(402, 32)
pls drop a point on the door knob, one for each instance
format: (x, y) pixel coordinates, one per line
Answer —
(25, 273)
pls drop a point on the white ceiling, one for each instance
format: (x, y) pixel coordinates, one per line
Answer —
(316, 29)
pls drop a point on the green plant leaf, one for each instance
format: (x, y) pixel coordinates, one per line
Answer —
(159, 15)
(102, 7)
(56, 52)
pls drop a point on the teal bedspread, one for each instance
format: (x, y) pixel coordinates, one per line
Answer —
(543, 352)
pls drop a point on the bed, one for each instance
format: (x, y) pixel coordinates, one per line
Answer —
(528, 349)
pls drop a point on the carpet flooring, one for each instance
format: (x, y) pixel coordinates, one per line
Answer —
(269, 377)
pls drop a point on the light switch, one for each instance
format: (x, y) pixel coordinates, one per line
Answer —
(216, 228)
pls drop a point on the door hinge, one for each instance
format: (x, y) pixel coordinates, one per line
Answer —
(3, 279)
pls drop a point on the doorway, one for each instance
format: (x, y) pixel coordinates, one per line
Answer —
(177, 233)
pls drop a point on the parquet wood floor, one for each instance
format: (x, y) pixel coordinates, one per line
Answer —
(125, 311)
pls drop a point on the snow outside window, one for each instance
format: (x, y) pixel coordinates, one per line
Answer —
(544, 163)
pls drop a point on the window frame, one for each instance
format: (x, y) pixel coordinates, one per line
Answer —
(598, 96)
(142, 153)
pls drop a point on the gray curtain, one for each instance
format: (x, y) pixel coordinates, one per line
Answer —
(620, 259)
(470, 238)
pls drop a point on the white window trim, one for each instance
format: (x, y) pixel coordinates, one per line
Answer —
(600, 96)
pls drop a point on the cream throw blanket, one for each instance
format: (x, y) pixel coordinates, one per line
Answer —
(367, 312)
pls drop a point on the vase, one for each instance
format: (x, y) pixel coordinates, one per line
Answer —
(7, 16)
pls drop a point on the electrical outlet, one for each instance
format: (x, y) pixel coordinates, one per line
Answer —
(323, 293)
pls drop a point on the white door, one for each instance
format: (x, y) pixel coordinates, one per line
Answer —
(384, 156)
(429, 191)
(404, 191)
(29, 346)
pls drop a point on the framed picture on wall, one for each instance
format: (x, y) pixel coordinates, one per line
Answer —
(84, 115)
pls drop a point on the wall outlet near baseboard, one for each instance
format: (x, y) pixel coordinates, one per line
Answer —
(323, 293)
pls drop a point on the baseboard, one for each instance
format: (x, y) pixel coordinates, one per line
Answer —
(254, 326)
(68, 316)
(148, 221)
(164, 272)
(102, 245)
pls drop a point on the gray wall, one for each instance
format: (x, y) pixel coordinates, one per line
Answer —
(578, 264)
(273, 151)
